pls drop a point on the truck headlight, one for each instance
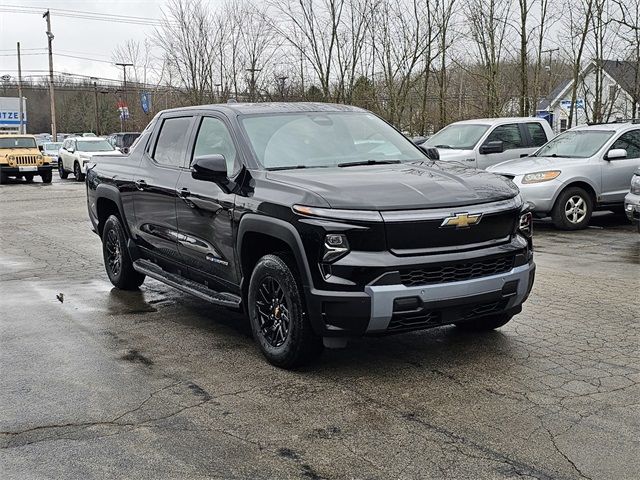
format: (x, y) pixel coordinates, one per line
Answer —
(526, 224)
(336, 246)
(635, 185)
(537, 177)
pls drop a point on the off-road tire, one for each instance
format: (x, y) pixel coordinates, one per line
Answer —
(559, 215)
(3, 178)
(483, 324)
(114, 247)
(47, 176)
(61, 171)
(77, 172)
(28, 177)
(301, 344)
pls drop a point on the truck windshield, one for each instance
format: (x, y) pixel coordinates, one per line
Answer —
(325, 139)
(94, 146)
(575, 144)
(458, 136)
(17, 142)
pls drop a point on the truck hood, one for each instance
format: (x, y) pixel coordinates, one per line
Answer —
(399, 186)
(521, 166)
(453, 154)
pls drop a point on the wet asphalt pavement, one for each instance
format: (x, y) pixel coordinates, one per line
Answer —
(156, 384)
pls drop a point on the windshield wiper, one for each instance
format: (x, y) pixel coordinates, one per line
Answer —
(368, 162)
(443, 146)
(287, 167)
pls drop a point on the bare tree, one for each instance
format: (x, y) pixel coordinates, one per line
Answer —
(627, 15)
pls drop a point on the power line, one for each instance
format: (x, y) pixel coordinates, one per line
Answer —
(104, 17)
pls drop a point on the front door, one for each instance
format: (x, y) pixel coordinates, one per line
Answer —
(617, 173)
(205, 211)
(155, 198)
(514, 142)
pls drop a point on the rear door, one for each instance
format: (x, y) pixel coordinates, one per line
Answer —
(205, 209)
(617, 173)
(515, 145)
(155, 198)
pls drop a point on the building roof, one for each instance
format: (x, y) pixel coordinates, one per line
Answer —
(622, 71)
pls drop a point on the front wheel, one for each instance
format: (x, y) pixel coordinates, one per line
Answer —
(277, 313)
(28, 177)
(61, 171)
(484, 324)
(573, 209)
(77, 172)
(47, 176)
(117, 261)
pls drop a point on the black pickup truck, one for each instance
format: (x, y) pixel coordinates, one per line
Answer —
(321, 222)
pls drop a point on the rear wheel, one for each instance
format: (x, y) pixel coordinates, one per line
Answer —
(277, 313)
(573, 209)
(61, 171)
(47, 176)
(77, 172)
(117, 261)
(483, 324)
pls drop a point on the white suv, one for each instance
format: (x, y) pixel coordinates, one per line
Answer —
(76, 153)
(484, 142)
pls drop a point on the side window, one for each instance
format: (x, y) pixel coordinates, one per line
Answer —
(509, 135)
(214, 138)
(537, 134)
(630, 141)
(172, 141)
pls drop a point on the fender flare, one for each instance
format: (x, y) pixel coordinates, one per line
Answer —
(281, 230)
(110, 192)
(571, 181)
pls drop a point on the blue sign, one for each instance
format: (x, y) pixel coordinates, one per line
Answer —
(145, 102)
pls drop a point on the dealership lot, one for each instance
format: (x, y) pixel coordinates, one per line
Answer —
(155, 384)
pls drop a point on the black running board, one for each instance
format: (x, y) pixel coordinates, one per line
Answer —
(188, 286)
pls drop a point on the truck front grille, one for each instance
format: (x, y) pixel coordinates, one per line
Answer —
(26, 160)
(408, 321)
(457, 272)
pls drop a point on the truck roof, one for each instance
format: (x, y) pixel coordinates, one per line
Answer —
(499, 120)
(271, 107)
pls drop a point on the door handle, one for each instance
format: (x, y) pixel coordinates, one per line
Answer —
(184, 193)
(140, 184)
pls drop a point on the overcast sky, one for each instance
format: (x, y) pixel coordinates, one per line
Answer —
(73, 36)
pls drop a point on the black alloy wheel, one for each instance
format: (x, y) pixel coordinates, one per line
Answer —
(273, 312)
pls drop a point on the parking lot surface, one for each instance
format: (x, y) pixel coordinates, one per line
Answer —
(156, 384)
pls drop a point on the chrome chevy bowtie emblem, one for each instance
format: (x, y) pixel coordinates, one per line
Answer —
(461, 220)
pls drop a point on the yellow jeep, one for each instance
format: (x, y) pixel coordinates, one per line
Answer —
(20, 158)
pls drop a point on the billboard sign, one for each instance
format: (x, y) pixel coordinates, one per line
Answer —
(10, 112)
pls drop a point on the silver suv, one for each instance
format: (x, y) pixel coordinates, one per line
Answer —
(632, 200)
(580, 170)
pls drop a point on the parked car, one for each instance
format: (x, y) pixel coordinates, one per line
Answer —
(76, 153)
(632, 200)
(123, 140)
(485, 142)
(581, 170)
(51, 151)
(20, 158)
(321, 221)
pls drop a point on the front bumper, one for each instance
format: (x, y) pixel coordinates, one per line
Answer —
(541, 196)
(387, 309)
(36, 170)
(632, 207)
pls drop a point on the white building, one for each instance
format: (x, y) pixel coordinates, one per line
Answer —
(619, 80)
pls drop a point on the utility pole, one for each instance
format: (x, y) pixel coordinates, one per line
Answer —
(95, 106)
(50, 37)
(253, 82)
(550, 52)
(282, 80)
(20, 128)
(124, 66)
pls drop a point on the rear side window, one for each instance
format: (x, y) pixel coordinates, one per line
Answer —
(630, 141)
(509, 135)
(537, 134)
(172, 141)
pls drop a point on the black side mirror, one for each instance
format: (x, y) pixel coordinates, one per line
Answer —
(210, 168)
(497, 146)
(41, 148)
(124, 151)
(430, 152)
